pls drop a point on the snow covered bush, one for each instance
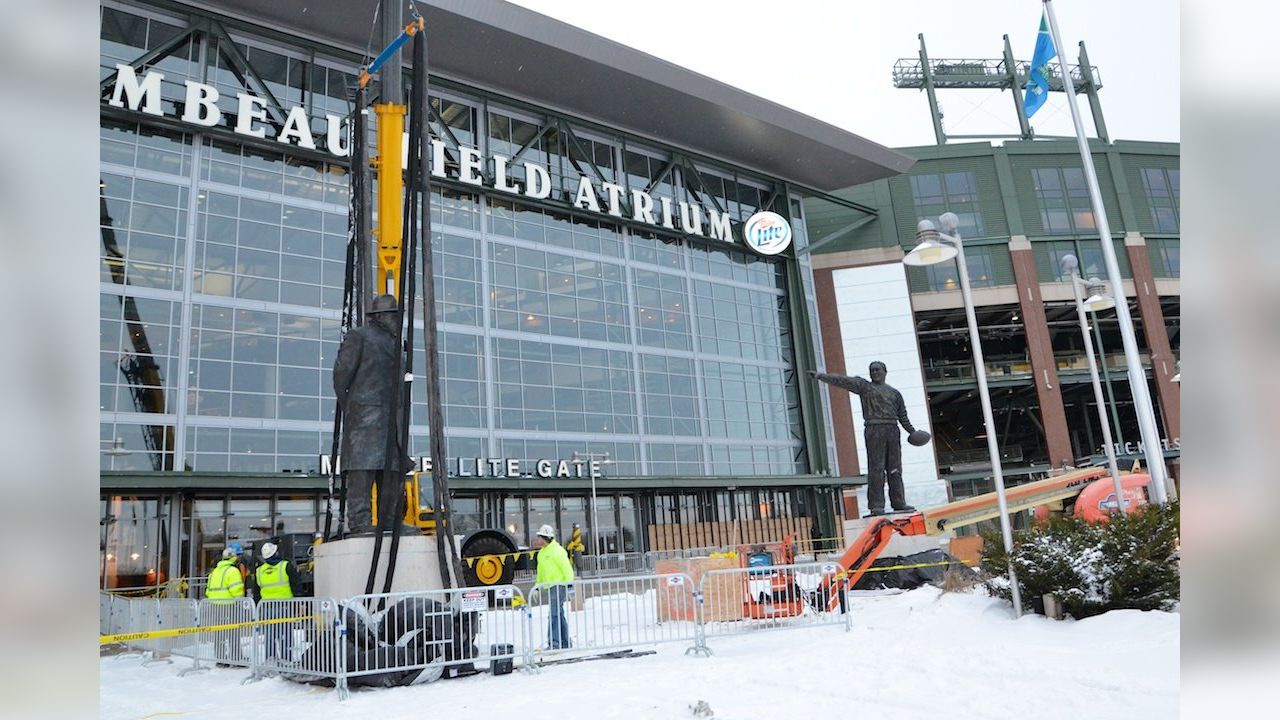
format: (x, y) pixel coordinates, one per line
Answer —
(1128, 562)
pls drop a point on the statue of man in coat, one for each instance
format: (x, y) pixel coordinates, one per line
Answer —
(364, 378)
(882, 412)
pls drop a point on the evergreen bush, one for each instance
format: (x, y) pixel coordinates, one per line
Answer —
(1129, 561)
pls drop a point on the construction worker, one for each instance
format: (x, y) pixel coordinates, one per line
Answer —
(226, 586)
(226, 582)
(575, 547)
(275, 582)
(554, 570)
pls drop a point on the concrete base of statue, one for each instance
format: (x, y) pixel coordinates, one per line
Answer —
(342, 566)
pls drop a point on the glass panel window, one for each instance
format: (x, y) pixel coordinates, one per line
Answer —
(134, 538)
(1064, 200)
(957, 192)
(1162, 187)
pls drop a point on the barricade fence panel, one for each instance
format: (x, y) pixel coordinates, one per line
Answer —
(604, 614)
(300, 638)
(229, 646)
(406, 638)
(736, 601)
(613, 564)
(168, 614)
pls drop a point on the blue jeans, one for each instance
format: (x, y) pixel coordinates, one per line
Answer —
(558, 632)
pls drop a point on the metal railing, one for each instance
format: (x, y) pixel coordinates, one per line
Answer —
(738, 601)
(411, 637)
(421, 635)
(307, 644)
(217, 645)
(604, 614)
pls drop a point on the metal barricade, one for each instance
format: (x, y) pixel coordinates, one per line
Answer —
(408, 638)
(221, 645)
(300, 638)
(612, 564)
(604, 614)
(166, 614)
(738, 601)
(108, 614)
(118, 615)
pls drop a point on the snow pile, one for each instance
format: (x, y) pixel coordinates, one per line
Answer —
(919, 654)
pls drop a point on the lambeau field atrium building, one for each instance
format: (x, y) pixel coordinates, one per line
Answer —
(637, 331)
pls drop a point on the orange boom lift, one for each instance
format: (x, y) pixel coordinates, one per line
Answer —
(1088, 493)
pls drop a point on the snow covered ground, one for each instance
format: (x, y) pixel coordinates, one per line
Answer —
(920, 654)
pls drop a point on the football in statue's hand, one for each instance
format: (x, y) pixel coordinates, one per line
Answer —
(919, 437)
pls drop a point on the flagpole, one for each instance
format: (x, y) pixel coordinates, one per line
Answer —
(1137, 376)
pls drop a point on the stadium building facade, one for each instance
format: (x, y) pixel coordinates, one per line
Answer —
(1022, 207)
(596, 296)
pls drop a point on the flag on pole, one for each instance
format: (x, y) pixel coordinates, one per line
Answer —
(1038, 76)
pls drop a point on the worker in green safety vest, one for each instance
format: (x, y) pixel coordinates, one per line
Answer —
(556, 572)
(275, 583)
(226, 586)
(225, 581)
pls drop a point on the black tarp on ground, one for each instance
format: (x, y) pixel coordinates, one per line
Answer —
(908, 578)
(414, 631)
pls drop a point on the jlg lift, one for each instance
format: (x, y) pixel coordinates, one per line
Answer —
(1087, 493)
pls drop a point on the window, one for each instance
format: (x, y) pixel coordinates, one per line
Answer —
(955, 192)
(1064, 200)
(1163, 188)
(945, 276)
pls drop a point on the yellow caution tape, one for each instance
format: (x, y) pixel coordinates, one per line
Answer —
(177, 632)
(471, 560)
(916, 565)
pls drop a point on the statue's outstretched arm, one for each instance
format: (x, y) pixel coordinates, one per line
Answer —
(853, 384)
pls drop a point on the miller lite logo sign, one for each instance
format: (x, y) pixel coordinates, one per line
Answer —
(767, 233)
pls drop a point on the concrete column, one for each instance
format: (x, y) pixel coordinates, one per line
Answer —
(1162, 363)
(833, 356)
(1040, 348)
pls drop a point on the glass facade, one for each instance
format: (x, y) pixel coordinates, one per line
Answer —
(223, 266)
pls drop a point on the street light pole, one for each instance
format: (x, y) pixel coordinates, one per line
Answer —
(1069, 267)
(1137, 375)
(929, 252)
(596, 535)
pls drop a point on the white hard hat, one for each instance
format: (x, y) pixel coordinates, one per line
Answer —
(547, 532)
(268, 550)
(228, 553)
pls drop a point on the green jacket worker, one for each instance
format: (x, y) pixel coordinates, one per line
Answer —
(226, 584)
(275, 575)
(555, 570)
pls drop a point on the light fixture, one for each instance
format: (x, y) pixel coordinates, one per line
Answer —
(1099, 296)
(134, 556)
(929, 250)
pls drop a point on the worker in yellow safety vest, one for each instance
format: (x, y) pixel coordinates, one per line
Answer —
(555, 570)
(275, 582)
(225, 581)
(226, 585)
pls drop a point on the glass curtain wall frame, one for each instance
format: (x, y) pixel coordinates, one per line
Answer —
(223, 395)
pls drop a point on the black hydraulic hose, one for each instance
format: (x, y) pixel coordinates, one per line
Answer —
(449, 562)
(405, 285)
(380, 484)
(351, 304)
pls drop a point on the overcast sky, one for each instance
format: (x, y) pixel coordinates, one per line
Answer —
(833, 59)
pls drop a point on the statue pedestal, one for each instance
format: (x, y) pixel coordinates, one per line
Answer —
(342, 566)
(899, 545)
